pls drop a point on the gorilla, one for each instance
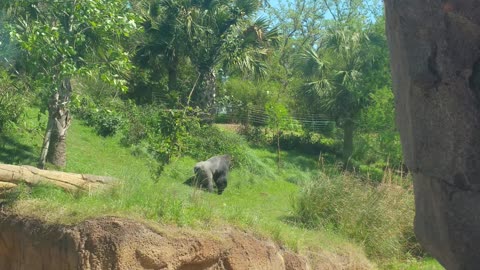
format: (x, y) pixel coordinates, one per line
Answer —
(214, 169)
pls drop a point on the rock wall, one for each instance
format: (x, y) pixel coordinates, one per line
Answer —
(115, 243)
(435, 60)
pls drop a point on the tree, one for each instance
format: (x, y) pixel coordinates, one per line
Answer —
(300, 24)
(378, 131)
(63, 39)
(342, 73)
(212, 35)
(164, 38)
(277, 120)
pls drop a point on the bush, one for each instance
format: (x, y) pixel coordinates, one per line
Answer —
(378, 140)
(168, 133)
(12, 103)
(135, 128)
(378, 217)
(106, 121)
(253, 134)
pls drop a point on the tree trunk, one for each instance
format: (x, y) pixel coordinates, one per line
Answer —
(348, 129)
(46, 142)
(173, 73)
(57, 153)
(435, 60)
(59, 120)
(208, 88)
(279, 133)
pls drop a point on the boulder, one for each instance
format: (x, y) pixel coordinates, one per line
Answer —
(435, 60)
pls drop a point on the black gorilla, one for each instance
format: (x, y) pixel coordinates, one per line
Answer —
(214, 169)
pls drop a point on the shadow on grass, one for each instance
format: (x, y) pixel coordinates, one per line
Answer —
(10, 196)
(190, 181)
(293, 221)
(14, 152)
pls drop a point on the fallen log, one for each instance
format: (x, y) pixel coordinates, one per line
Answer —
(11, 175)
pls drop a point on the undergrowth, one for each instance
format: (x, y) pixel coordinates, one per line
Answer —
(379, 217)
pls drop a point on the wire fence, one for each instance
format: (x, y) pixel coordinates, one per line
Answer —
(257, 116)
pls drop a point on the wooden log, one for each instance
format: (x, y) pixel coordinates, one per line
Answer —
(6, 185)
(11, 175)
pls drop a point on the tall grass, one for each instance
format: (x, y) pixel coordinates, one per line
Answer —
(378, 217)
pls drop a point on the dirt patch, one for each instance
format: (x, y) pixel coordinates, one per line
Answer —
(116, 243)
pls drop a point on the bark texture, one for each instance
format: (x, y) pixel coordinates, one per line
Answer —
(54, 148)
(435, 58)
(207, 90)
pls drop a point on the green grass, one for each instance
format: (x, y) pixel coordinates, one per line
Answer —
(427, 264)
(261, 203)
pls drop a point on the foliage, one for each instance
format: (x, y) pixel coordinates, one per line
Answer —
(103, 117)
(108, 123)
(378, 217)
(342, 73)
(245, 92)
(168, 132)
(12, 102)
(253, 134)
(309, 143)
(210, 34)
(59, 38)
(379, 137)
(278, 116)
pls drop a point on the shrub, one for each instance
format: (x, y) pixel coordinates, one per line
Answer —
(168, 133)
(106, 121)
(135, 129)
(378, 139)
(12, 102)
(379, 217)
(253, 134)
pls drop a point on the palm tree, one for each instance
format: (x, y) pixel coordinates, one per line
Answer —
(165, 37)
(338, 73)
(212, 34)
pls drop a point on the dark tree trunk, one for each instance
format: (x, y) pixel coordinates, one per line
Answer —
(173, 73)
(348, 129)
(59, 120)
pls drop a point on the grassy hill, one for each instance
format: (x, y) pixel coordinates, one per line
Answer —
(261, 202)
